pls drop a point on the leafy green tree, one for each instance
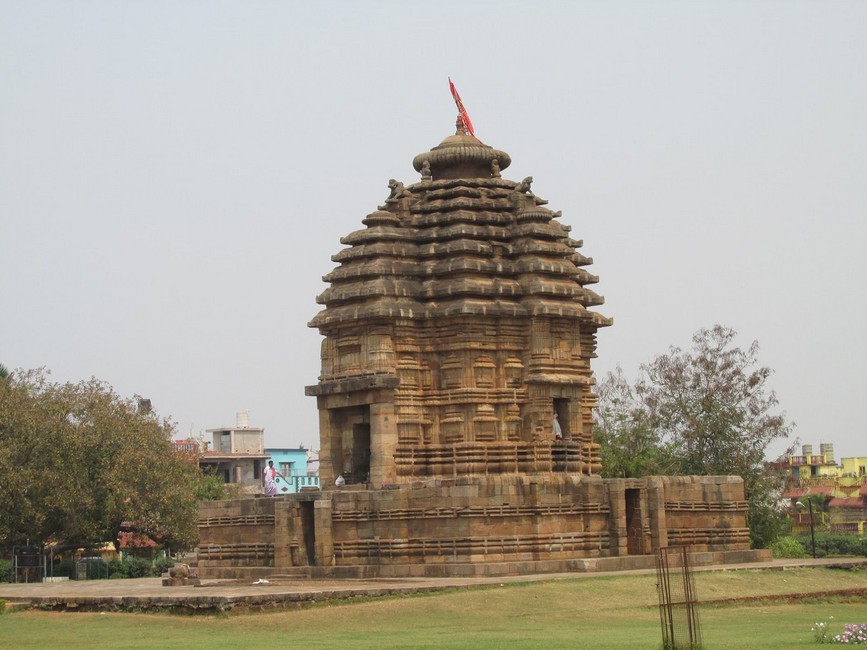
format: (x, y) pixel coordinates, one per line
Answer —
(704, 411)
(767, 516)
(629, 445)
(210, 487)
(77, 460)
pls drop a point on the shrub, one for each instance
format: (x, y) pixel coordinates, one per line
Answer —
(788, 547)
(820, 632)
(836, 545)
(163, 564)
(95, 567)
(137, 567)
(209, 487)
(2, 606)
(131, 567)
(64, 568)
(5, 571)
(844, 545)
(767, 523)
(853, 634)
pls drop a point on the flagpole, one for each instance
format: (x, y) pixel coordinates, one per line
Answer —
(463, 116)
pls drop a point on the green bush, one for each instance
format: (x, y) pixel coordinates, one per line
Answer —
(64, 568)
(767, 524)
(5, 571)
(209, 487)
(131, 567)
(96, 568)
(163, 564)
(116, 567)
(2, 606)
(836, 545)
(788, 547)
(137, 567)
(845, 545)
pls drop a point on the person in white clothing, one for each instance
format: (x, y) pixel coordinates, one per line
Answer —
(269, 477)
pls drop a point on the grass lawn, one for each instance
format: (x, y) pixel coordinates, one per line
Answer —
(597, 612)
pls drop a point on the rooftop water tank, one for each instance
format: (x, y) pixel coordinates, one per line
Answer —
(827, 449)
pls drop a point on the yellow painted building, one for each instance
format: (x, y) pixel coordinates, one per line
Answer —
(842, 488)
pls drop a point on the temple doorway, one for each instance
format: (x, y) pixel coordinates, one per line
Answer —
(633, 522)
(308, 531)
(561, 410)
(350, 450)
(360, 472)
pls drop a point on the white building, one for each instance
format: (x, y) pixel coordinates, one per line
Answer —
(237, 454)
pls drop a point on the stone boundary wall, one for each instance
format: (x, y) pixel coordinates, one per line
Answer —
(502, 525)
(235, 537)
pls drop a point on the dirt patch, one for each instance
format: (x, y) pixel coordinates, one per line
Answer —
(847, 594)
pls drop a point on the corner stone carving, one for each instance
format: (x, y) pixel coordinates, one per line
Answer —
(398, 191)
(524, 186)
(425, 171)
(495, 168)
(181, 575)
(180, 571)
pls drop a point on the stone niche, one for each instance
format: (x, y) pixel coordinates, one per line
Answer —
(456, 405)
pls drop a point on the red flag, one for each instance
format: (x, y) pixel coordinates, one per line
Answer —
(462, 112)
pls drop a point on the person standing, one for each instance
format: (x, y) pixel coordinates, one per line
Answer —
(270, 479)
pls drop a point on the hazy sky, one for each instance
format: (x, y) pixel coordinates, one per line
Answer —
(174, 177)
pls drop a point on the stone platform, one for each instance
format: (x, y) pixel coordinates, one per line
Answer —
(148, 594)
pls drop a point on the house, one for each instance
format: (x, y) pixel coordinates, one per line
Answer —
(237, 454)
(840, 489)
(295, 467)
(132, 544)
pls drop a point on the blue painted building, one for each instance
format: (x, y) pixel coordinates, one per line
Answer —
(293, 465)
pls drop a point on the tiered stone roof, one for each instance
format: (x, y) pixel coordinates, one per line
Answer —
(461, 241)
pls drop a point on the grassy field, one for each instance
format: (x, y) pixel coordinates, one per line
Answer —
(599, 612)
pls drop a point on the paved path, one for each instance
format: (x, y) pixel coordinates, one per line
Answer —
(149, 594)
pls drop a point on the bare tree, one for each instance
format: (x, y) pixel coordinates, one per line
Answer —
(703, 411)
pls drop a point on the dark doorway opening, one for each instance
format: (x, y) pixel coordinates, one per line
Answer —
(633, 522)
(561, 410)
(308, 531)
(350, 443)
(360, 452)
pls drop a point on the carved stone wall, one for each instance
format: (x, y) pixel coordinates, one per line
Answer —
(496, 525)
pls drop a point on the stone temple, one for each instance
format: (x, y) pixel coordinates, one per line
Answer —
(456, 406)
